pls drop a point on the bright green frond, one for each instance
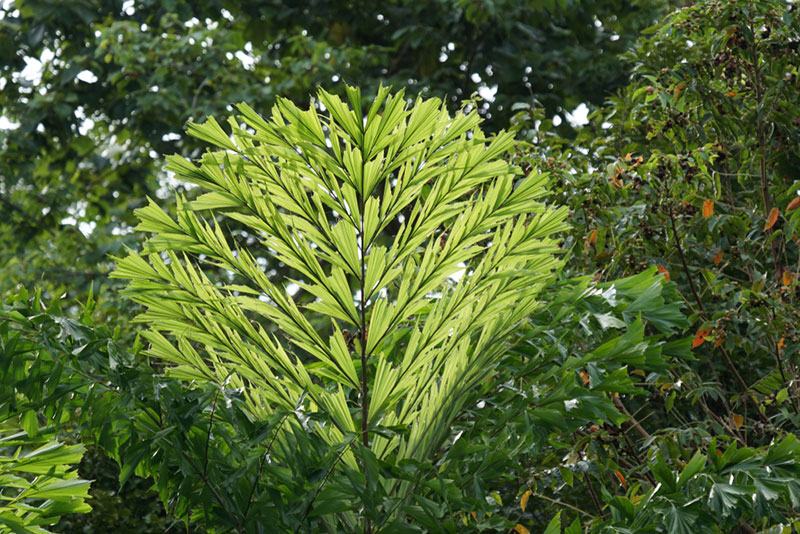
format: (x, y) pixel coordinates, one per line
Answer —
(371, 267)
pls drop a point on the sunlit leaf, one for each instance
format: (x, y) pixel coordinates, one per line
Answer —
(708, 208)
(700, 337)
(771, 218)
(523, 503)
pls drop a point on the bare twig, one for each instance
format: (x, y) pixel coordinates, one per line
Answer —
(632, 420)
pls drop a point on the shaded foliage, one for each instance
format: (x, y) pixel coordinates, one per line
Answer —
(138, 74)
(689, 170)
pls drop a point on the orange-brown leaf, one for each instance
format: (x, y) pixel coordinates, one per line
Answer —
(523, 503)
(738, 420)
(781, 343)
(521, 530)
(700, 336)
(665, 272)
(772, 218)
(585, 377)
(593, 237)
(788, 277)
(628, 156)
(718, 258)
(621, 479)
(794, 204)
(708, 209)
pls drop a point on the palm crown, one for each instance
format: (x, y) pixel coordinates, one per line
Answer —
(415, 250)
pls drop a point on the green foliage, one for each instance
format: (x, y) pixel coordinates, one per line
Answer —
(696, 174)
(206, 456)
(133, 508)
(38, 482)
(79, 378)
(38, 479)
(277, 396)
(586, 343)
(377, 213)
(122, 83)
(689, 170)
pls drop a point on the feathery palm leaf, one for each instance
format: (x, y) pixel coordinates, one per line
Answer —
(418, 249)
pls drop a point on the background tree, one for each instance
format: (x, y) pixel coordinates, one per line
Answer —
(688, 170)
(119, 80)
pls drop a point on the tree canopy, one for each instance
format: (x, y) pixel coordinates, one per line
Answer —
(100, 91)
(408, 286)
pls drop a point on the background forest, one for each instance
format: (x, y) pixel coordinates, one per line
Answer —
(653, 389)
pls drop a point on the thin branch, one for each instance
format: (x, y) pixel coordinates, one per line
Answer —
(671, 214)
(594, 495)
(564, 504)
(345, 448)
(208, 435)
(260, 469)
(363, 330)
(632, 420)
(214, 491)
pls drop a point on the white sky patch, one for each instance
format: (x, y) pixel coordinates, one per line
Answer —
(247, 60)
(168, 183)
(486, 92)
(556, 120)
(579, 116)
(122, 229)
(170, 137)
(86, 228)
(128, 7)
(79, 211)
(87, 76)
(35, 67)
(458, 275)
(6, 124)
(86, 126)
(475, 77)
(292, 289)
